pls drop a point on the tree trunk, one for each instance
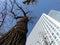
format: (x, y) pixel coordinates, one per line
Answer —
(17, 35)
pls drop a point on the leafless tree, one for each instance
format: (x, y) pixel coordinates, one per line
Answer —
(16, 35)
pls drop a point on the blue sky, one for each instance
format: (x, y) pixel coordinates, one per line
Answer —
(42, 6)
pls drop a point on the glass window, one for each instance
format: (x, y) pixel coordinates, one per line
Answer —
(55, 37)
(57, 33)
(52, 33)
(57, 27)
(54, 30)
(50, 36)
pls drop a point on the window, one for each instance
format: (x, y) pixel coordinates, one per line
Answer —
(57, 40)
(57, 27)
(57, 33)
(50, 36)
(55, 37)
(54, 30)
(52, 33)
(52, 27)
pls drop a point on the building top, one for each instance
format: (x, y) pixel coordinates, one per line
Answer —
(55, 14)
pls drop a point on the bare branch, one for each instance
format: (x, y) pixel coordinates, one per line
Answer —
(19, 17)
(3, 17)
(3, 14)
(28, 1)
(12, 6)
(20, 8)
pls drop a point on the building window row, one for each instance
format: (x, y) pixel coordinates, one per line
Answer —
(52, 33)
(52, 28)
(52, 22)
(47, 31)
(46, 23)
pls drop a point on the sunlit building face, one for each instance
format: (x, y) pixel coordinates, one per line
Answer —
(46, 31)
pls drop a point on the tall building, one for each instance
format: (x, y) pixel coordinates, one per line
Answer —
(46, 31)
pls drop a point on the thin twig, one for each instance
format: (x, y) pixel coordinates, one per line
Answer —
(20, 8)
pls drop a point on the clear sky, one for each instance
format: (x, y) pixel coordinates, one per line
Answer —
(42, 6)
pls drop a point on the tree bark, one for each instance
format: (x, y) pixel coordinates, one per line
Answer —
(17, 35)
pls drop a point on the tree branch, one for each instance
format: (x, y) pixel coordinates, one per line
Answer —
(3, 14)
(3, 17)
(20, 8)
(12, 6)
(28, 1)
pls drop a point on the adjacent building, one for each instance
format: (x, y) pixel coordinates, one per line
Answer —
(46, 31)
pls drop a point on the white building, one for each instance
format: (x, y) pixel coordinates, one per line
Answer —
(46, 31)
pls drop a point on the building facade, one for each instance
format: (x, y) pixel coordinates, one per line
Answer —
(45, 32)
